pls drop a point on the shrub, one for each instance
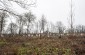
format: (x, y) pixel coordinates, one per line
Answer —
(2, 43)
(22, 51)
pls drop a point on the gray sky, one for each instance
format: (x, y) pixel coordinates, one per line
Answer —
(59, 10)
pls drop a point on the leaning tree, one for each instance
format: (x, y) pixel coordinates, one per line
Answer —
(7, 6)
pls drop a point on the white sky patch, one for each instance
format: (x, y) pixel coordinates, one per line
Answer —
(17, 8)
(56, 10)
(59, 10)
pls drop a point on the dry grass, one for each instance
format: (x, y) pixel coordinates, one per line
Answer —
(71, 45)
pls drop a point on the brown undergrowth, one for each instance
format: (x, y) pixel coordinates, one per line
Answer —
(68, 45)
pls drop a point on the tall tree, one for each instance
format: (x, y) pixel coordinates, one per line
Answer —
(43, 23)
(21, 22)
(71, 17)
(60, 27)
(12, 28)
(52, 27)
(3, 15)
(80, 29)
(29, 20)
(37, 27)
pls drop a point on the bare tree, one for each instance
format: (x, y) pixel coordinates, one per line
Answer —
(29, 20)
(48, 29)
(60, 27)
(7, 6)
(12, 28)
(80, 29)
(37, 27)
(21, 22)
(3, 15)
(52, 27)
(43, 23)
(71, 18)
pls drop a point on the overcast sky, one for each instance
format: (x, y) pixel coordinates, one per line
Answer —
(59, 10)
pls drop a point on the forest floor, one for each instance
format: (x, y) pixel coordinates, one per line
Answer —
(71, 45)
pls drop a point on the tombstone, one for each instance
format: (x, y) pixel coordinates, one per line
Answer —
(81, 34)
(2, 35)
(37, 35)
(68, 34)
(29, 35)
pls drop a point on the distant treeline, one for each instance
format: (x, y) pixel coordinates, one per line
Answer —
(27, 23)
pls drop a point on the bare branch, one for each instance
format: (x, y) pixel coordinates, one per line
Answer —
(5, 5)
(9, 12)
(24, 3)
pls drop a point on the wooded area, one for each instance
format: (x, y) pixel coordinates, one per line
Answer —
(29, 36)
